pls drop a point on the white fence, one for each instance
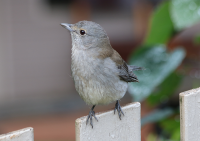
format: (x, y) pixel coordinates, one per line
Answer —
(109, 127)
(190, 115)
(25, 134)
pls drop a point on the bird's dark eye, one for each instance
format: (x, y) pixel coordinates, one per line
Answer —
(82, 32)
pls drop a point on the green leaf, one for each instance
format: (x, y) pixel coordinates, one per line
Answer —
(171, 127)
(151, 137)
(161, 26)
(158, 63)
(197, 39)
(185, 13)
(157, 116)
(165, 89)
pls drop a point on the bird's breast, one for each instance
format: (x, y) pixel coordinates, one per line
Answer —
(96, 80)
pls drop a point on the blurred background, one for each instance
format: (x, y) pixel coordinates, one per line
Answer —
(36, 87)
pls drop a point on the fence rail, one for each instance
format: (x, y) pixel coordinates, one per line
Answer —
(109, 127)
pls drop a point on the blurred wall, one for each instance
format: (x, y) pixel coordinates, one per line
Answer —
(35, 50)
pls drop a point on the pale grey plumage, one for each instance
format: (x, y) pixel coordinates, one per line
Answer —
(101, 76)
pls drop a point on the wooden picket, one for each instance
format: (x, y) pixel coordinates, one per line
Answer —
(190, 115)
(25, 134)
(109, 127)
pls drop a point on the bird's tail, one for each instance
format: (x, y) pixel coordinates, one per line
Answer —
(133, 68)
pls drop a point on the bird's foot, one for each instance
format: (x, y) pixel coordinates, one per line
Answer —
(118, 108)
(89, 117)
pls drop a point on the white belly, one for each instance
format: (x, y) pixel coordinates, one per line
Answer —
(96, 80)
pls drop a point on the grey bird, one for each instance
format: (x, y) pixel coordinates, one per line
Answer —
(100, 74)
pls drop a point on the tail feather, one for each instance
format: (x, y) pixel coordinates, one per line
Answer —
(135, 68)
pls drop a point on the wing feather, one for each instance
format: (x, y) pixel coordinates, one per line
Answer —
(125, 71)
(126, 74)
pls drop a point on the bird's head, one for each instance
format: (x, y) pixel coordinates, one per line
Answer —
(87, 34)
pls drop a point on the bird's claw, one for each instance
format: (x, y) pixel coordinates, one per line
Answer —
(89, 117)
(118, 108)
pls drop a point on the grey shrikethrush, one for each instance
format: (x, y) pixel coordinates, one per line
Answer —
(100, 75)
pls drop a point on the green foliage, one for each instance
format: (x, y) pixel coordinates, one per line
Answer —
(151, 137)
(159, 81)
(184, 13)
(171, 127)
(158, 64)
(165, 89)
(197, 39)
(161, 26)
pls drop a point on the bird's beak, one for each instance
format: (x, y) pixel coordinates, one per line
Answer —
(67, 26)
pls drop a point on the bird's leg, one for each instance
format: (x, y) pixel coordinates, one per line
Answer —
(89, 117)
(118, 108)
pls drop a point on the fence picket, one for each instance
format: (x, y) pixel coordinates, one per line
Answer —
(25, 134)
(110, 127)
(190, 115)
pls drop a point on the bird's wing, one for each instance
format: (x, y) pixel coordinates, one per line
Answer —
(126, 74)
(125, 71)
